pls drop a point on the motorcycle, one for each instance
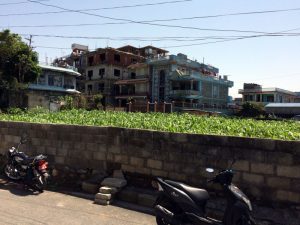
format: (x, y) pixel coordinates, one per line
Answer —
(32, 171)
(181, 204)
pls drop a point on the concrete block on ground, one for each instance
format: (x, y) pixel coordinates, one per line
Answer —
(102, 196)
(108, 190)
(114, 182)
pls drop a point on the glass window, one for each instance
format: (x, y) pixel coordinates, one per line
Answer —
(55, 80)
(90, 74)
(101, 87)
(162, 76)
(69, 83)
(117, 58)
(117, 73)
(101, 72)
(133, 75)
(102, 57)
(42, 79)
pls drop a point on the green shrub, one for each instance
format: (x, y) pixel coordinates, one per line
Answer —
(15, 111)
(251, 109)
(68, 102)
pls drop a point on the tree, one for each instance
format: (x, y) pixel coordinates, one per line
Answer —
(252, 109)
(18, 62)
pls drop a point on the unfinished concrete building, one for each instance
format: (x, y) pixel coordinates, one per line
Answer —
(188, 83)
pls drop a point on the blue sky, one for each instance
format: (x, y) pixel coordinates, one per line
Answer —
(270, 61)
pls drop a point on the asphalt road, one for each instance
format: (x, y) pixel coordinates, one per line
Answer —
(23, 207)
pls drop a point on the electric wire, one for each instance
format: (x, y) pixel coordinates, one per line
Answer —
(17, 3)
(157, 20)
(147, 23)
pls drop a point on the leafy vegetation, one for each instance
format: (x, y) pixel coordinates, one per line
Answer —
(252, 109)
(18, 62)
(183, 123)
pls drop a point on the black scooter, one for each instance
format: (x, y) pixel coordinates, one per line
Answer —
(180, 204)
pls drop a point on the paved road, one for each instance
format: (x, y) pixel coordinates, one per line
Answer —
(21, 207)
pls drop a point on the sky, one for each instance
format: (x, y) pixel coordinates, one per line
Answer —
(236, 44)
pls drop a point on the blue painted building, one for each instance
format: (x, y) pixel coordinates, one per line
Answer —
(187, 82)
(51, 84)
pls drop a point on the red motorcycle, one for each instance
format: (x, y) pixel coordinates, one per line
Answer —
(32, 171)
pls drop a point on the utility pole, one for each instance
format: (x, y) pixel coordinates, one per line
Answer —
(30, 40)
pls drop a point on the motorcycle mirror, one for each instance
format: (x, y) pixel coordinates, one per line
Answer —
(209, 170)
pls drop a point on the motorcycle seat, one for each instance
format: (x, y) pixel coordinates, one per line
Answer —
(28, 160)
(200, 196)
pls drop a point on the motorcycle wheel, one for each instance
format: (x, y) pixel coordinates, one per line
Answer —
(10, 172)
(40, 184)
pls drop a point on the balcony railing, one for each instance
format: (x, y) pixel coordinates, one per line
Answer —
(185, 92)
(132, 93)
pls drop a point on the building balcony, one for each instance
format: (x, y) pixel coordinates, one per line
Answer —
(132, 81)
(185, 92)
(131, 94)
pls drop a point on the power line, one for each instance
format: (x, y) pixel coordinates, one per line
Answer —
(99, 24)
(94, 9)
(147, 23)
(186, 45)
(159, 38)
(18, 3)
(157, 20)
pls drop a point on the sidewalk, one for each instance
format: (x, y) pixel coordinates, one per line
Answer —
(22, 207)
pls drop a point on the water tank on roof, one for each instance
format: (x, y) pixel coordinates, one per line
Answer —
(80, 47)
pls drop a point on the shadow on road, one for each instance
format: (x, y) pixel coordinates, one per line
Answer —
(15, 187)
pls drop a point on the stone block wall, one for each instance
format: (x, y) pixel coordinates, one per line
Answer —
(265, 169)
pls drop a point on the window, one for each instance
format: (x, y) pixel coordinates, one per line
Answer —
(117, 58)
(101, 72)
(90, 74)
(102, 57)
(42, 79)
(133, 60)
(101, 87)
(215, 91)
(55, 80)
(68, 83)
(258, 98)
(195, 86)
(162, 76)
(133, 75)
(91, 60)
(117, 73)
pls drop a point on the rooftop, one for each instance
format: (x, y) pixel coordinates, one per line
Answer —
(60, 69)
(283, 105)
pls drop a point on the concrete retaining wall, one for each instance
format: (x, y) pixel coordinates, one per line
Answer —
(265, 169)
